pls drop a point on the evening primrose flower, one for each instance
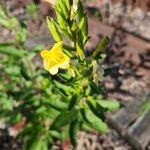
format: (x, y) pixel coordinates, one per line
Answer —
(55, 59)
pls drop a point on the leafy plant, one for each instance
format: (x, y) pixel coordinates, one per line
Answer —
(57, 106)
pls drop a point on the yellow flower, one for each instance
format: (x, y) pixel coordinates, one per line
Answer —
(55, 59)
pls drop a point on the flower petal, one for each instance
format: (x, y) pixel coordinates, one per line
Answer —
(55, 59)
(49, 63)
(53, 70)
(45, 54)
(64, 64)
(57, 48)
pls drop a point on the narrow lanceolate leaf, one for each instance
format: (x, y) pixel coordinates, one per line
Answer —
(67, 34)
(79, 50)
(97, 109)
(24, 73)
(61, 18)
(73, 102)
(74, 26)
(93, 121)
(68, 48)
(55, 103)
(37, 144)
(62, 86)
(79, 44)
(53, 29)
(80, 10)
(69, 4)
(64, 9)
(8, 50)
(94, 87)
(74, 127)
(22, 33)
(55, 134)
(101, 46)
(110, 105)
(83, 25)
(66, 117)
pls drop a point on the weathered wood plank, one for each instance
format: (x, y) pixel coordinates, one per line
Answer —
(139, 133)
(129, 113)
(134, 128)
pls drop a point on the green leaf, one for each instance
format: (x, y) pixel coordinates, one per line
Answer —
(80, 10)
(74, 128)
(55, 133)
(79, 44)
(87, 91)
(6, 103)
(64, 118)
(66, 76)
(83, 25)
(73, 14)
(38, 48)
(44, 145)
(85, 40)
(73, 102)
(10, 51)
(41, 110)
(63, 87)
(93, 121)
(64, 8)
(55, 103)
(110, 105)
(74, 26)
(94, 87)
(7, 44)
(69, 48)
(25, 74)
(61, 18)
(33, 134)
(64, 134)
(87, 128)
(96, 109)
(53, 29)
(69, 4)
(22, 33)
(51, 112)
(67, 34)
(37, 144)
(101, 46)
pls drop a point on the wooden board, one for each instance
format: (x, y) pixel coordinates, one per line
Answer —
(133, 127)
